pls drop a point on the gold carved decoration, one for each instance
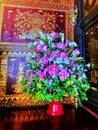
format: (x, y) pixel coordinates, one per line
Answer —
(41, 3)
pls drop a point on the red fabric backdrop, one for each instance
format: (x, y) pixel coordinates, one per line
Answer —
(17, 21)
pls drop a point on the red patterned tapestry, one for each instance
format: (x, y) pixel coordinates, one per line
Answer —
(17, 21)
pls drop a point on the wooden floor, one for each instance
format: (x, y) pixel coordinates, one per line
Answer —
(37, 119)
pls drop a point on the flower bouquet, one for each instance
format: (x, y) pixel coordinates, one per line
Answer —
(55, 68)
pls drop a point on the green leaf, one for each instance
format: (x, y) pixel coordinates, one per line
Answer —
(24, 81)
(48, 85)
(79, 59)
(73, 93)
(73, 79)
(55, 96)
(62, 93)
(68, 82)
(61, 99)
(44, 91)
(36, 78)
(43, 97)
(37, 96)
(48, 97)
(39, 85)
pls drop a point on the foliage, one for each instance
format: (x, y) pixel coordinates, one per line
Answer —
(55, 68)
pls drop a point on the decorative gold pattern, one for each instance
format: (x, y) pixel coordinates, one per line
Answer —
(52, 4)
(1, 17)
(27, 101)
(3, 73)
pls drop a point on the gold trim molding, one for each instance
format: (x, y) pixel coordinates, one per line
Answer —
(51, 4)
(24, 100)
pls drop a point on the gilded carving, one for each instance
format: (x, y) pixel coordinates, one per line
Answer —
(26, 2)
(27, 100)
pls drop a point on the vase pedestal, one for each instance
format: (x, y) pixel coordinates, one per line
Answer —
(55, 108)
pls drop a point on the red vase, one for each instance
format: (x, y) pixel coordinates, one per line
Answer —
(55, 108)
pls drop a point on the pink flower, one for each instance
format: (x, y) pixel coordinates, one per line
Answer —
(53, 70)
(38, 73)
(41, 77)
(40, 48)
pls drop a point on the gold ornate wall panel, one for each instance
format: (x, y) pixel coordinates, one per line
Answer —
(13, 51)
(48, 5)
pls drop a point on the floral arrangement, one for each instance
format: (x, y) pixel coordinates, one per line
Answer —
(55, 68)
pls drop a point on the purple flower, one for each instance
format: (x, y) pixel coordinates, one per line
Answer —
(54, 35)
(76, 52)
(36, 42)
(63, 74)
(79, 78)
(37, 58)
(31, 76)
(40, 48)
(45, 71)
(54, 55)
(72, 63)
(42, 66)
(27, 73)
(45, 60)
(67, 42)
(40, 74)
(74, 68)
(50, 81)
(60, 45)
(45, 48)
(63, 54)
